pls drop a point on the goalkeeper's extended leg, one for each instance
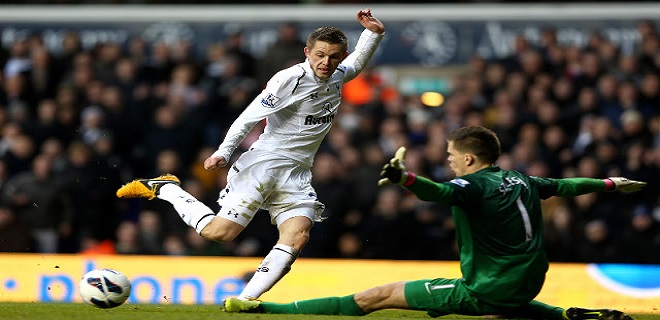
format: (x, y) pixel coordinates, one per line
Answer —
(326, 306)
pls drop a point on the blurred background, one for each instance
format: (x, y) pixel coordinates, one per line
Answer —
(94, 94)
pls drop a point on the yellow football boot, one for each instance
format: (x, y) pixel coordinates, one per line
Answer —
(146, 188)
(247, 306)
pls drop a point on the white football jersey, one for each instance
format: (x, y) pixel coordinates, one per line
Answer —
(299, 108)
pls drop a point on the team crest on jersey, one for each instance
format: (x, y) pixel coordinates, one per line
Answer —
(269, 101)
(461, 182)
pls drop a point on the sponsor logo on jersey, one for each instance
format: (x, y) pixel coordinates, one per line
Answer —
(269, 101)
(461, 182)
(311, 120)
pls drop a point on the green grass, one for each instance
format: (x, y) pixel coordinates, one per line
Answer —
(61, 311)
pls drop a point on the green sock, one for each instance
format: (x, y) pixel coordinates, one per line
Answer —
(332, 305)
(538, 310)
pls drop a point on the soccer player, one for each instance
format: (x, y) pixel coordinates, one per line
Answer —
(299, 105)
(499, 229)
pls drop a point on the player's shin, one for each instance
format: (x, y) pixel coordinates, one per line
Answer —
(328, 306)
(193, 212)
(274, 266)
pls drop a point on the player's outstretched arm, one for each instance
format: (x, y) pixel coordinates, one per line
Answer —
(370, 22)
(573, 187)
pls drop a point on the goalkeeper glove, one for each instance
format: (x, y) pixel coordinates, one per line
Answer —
(624, 185)
(394, 171)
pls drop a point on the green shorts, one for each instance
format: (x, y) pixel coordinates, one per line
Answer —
(441, 297)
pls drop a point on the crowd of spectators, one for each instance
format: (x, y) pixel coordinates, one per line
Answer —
(76, 124)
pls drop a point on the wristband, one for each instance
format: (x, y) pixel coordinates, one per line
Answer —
(410, 179)
(609, 184)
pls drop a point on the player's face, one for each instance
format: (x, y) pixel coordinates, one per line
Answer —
(456, 160)
(324, 58)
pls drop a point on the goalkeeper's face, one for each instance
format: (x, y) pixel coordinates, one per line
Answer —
(324, 58)
(456, 160)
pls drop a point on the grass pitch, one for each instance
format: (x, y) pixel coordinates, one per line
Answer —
(62, 311)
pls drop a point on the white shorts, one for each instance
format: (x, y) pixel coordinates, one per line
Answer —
(260, 179)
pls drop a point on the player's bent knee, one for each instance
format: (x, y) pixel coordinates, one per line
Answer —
(371, 299)
(376, 294)
(220, 233)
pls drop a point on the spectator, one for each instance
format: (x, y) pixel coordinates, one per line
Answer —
(349, 246)
(15, 236)
(90, 181)
(19, 59)
(386, 232)
(236, 48)
(150, 232)
(641, 239)
(37, 199)
(91, 125)
(559, 234)
(71, 46)
(328, 181)
(436, 233)
(168, 131)
(649, 91)
(598, 245)
(158, 64)
(286, 51)
(128, 239)
(43, 78)
(199, 246)
(173, 245)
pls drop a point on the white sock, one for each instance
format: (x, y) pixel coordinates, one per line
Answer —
(274, 266)
(193, 212)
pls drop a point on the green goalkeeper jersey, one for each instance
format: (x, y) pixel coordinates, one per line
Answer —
(499, 228)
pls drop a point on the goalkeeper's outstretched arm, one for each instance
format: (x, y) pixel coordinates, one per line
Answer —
(571, 187)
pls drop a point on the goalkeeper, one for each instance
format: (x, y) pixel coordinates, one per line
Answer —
(499, 231)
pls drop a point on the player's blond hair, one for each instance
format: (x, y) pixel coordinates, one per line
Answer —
(330, 35)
